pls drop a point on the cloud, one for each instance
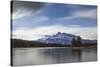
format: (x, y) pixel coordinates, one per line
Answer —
(38, 19)
(36, 33)
(21, 13)
(23, 8)
(89, 14)
(35, 17)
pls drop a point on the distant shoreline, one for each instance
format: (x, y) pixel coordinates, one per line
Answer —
(61, 47)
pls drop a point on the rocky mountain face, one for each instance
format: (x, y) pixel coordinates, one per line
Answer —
(62, 38)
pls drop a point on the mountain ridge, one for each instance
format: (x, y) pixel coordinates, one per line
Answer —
(62, 38)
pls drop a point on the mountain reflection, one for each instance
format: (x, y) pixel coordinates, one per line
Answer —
(62, 55)
(37, 56)
(76, 55)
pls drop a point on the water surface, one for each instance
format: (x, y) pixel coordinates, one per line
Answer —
(37, 56)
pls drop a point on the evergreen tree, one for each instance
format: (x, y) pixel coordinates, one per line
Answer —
(73, 42)
(78, 43)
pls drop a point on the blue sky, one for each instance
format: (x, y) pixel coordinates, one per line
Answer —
(51, 18)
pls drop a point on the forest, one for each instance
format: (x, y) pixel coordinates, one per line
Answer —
(18, 43)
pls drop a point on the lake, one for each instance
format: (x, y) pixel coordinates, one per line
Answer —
(52, 55)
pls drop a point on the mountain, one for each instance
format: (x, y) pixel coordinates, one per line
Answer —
(58, 38)
(89, 41)
(62, 38)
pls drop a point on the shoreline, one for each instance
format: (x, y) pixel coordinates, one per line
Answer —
(81, 47)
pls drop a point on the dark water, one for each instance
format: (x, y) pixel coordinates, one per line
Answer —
(37, 56)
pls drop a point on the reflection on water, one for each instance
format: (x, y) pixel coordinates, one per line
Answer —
(34, 56)
(76, 55)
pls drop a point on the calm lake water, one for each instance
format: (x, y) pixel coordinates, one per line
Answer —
(38, 56)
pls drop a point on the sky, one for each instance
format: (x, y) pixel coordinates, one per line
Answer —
(33, 20)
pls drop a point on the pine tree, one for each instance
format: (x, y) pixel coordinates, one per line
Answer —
(78, 43)
(73, 42)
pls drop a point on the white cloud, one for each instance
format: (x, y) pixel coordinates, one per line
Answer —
(21, 13)
(33, 34)
(92, 14)
(40, 18)
(89, 14)
(25, 13)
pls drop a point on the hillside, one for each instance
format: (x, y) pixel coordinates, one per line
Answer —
(24, 43)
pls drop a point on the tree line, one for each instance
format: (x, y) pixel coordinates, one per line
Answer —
(77, 41)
